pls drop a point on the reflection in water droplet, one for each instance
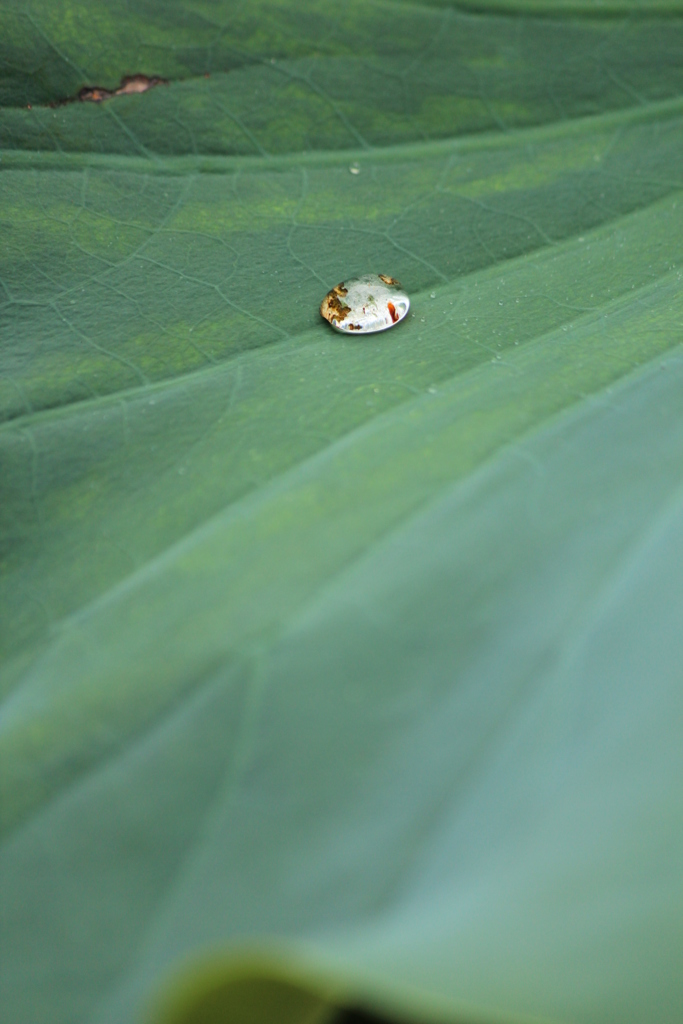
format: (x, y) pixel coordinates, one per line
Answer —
(365, 305)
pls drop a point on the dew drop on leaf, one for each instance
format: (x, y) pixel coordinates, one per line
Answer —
(365, 305)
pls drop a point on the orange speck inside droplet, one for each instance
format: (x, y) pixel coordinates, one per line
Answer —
(392, 312)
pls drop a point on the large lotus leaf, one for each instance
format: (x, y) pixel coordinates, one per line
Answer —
(341, 672)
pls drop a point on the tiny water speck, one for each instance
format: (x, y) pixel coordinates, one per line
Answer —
(355, 168)
(432, 295)
(365, 305)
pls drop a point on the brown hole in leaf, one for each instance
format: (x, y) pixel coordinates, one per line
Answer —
(130, 85)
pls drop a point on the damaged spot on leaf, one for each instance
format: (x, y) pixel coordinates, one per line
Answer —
(130, 85)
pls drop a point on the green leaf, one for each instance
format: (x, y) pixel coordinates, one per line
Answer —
(341, 671)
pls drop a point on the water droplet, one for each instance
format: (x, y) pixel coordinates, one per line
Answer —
(354, 168)
(364, 305)
(432, 295)
(431, 390)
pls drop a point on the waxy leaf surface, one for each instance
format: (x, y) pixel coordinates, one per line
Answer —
(341, 672)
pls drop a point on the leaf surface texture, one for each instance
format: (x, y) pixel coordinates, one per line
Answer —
(341, 671)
